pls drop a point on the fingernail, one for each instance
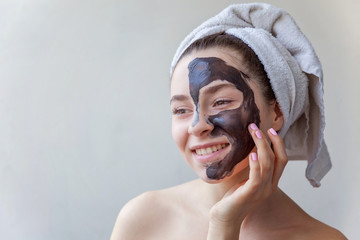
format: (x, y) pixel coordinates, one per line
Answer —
(258, 134)
(253, 156)
(273, 132)
(253, 126)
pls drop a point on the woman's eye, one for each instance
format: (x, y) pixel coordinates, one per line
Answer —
(221, 102)
(180, 111)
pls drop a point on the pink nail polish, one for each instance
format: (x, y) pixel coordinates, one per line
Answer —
(273, 132)
(258, 134)
(253, 156)
(253, 126)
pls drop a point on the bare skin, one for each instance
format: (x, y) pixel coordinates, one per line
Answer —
(174, 214)
(247, 204)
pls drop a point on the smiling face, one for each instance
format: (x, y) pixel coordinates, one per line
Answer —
(212, 106)
(229, 122)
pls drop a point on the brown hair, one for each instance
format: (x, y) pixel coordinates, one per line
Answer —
(250, 59)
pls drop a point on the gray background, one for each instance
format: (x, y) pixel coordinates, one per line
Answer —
(85, 116)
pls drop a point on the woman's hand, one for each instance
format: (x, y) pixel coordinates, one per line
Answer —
(266, 167)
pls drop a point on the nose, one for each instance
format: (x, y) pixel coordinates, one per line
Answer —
(200, 125)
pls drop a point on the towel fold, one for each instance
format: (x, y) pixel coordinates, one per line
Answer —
(294, 71)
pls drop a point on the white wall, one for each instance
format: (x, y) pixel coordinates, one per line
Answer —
(85, 117)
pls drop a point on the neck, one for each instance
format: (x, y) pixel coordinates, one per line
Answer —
(278, 206)
(263, 213)
(214, 192)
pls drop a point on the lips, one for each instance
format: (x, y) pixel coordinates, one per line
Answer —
(211, 149)
(209, 153)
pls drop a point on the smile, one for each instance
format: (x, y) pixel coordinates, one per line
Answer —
(211, 149)
(209, 153)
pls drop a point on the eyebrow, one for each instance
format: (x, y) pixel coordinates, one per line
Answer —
(210, 90)
(214, 89)
(179, 98)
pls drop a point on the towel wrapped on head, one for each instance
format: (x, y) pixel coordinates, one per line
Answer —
(294, 71)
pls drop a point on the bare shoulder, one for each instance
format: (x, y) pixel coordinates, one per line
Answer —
(147, 215)
(294, 223)
(309, 229)
(318, 230)
(139, 216)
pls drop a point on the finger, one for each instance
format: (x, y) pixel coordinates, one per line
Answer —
(281, 158)
(255, 171)
(265, 153)
(251, 184)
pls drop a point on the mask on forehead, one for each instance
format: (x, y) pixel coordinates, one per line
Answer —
(230, 123)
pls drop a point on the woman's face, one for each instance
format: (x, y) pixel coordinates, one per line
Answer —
(212, 106)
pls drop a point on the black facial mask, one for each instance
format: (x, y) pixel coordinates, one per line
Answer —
(230, 123)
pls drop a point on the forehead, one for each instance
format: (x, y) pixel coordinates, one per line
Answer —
(180, 77)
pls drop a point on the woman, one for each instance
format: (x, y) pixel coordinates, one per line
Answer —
(239, 84)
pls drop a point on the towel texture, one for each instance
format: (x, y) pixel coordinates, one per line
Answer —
(294, 71)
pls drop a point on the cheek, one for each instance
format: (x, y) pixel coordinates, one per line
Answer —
(265, 116)
(179, 134)
(232, 123)
(264, 110)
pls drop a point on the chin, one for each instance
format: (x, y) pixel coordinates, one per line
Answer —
(203, 176)
(215, 181)
(239, 171)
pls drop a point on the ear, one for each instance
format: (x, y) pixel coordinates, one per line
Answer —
(278, 117)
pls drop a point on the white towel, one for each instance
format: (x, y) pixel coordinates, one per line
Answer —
(294, 71)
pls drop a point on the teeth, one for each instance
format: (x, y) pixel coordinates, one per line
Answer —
(208, 150)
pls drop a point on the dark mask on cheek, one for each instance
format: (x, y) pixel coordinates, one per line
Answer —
(230, 123)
